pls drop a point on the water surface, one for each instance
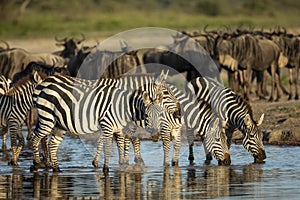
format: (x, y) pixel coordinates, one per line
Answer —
(277, 178)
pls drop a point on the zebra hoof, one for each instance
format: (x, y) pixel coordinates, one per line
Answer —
(174, 163)
(13, 163)
(33, 168)
(139, 161)
(207, 162)
(95, 164)
(105, 169)
(56, 170)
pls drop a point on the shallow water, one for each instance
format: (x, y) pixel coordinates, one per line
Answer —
(276, 178)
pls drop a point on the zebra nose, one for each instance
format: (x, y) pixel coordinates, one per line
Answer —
(226, 161)
(260, 156)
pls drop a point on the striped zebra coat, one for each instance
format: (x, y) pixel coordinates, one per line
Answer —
(16, 102)
(112, 109)
(200, 121)
(230, 106)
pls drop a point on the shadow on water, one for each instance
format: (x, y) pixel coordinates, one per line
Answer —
(274, 179)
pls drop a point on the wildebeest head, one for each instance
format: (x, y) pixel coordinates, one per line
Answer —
(71, 45)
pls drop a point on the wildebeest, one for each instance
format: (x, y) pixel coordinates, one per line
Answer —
(185, 55)
(71, 46)
(246, 53)
(16, 59)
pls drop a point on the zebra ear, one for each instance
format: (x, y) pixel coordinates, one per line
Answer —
(261, 119)
(146, 98)
(162, 77)
(36, 77)
(248, 120)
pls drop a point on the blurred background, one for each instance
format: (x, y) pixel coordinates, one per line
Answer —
(102, 18)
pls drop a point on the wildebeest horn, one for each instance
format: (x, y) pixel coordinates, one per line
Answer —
(82, 38)
(6, 44)
(60, 40)
(204, 28)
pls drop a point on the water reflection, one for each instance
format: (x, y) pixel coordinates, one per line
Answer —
(170, 183)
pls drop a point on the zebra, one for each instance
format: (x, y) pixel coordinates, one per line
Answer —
(131, 82)
(16, 102)
(111, 117)
(5, 84)
(233, 108)
(199, 118)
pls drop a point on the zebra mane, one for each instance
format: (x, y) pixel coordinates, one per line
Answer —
(18, 88)
(136, 75)
(244, 103)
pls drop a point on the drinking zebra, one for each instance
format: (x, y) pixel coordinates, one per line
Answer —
(103, 107)
(16, 102)
(228, 105)
(200, 120)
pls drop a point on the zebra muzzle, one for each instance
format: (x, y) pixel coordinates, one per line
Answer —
(226, 161)
(258, 158)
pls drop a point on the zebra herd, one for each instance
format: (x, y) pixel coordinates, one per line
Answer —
(114, 107)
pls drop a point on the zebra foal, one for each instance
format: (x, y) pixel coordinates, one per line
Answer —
(16, 102)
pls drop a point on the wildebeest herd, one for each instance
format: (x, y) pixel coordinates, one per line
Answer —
(45, 90)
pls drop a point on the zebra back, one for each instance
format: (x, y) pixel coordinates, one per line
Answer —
(5, 84)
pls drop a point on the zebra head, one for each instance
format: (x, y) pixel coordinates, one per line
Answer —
(253, 138)
(5, 84)
(216, 142)
(166, 97)
(153, 113)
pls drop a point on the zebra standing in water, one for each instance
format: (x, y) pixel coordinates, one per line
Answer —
(228, 105)
(16, 102)
(5, 84)
(104, 108)
(199, 118)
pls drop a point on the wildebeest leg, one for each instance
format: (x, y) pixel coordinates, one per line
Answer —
(273, 82)
(296, 81)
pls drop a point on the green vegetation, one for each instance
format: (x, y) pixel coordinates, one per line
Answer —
(41, 18)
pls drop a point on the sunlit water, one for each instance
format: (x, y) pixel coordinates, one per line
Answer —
(277, 178)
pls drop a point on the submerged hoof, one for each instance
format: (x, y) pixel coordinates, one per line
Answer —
(95, 164)
(105, 169)
(13, 163)
(56, 170)
(174, 163)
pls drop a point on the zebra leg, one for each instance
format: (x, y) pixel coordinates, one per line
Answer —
(54, 143)
(126, 150)
(208, 156)
(166, 146)
(36, 154)
(137, 153)
(17, 142)
(45, 154)
(176, 145)
(98, 151)
(190, 138)
(120, 140)
(107, 150)
(4, 133)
